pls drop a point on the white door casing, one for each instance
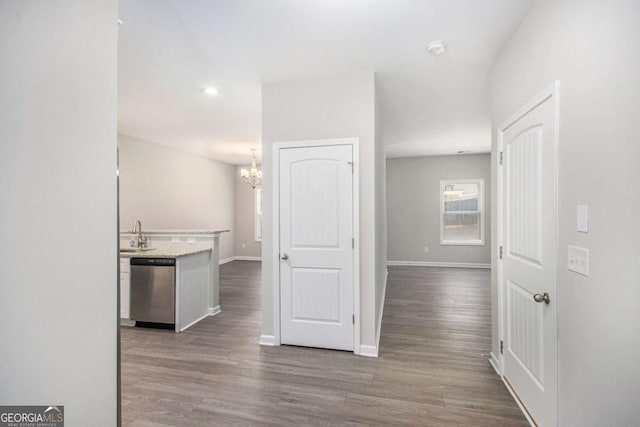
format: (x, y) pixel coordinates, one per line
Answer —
(528, 233)
(316, 232)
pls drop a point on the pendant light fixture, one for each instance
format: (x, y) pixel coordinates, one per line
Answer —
(253, 176)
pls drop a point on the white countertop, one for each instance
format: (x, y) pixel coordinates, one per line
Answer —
(176, 251)
(213, 231)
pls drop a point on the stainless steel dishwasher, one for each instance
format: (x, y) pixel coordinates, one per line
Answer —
(153, 291)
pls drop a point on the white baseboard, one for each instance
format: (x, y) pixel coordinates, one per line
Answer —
(368, 350)
(214, 310)
(495, 363)
(127, 322)
(193, 323)
(247, 258)
(240, 258)
(269, 340)
(441, 264)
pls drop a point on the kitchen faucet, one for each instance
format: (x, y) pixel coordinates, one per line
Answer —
(141, 239)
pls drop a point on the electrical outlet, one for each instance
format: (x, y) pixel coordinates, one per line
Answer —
(175, 240)
(426, 249)
(578, 260)
(191, 240)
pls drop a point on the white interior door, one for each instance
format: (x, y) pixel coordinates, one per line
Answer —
(529, 259)
(316, 252)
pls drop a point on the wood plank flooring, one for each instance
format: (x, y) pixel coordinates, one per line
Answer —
(432, 369)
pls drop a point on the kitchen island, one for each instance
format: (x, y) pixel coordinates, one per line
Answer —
(196, 255)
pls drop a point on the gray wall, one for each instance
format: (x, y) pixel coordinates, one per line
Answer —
(592, 47)
(170, 189)
(413, 206)
(58, 227)
(316, 109)
(244, 221)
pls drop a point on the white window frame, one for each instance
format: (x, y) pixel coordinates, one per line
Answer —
(257, 229)
(474, 242)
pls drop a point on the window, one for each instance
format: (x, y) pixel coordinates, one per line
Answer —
(258, 215)
(461, 208)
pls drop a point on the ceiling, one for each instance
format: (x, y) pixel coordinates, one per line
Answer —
(430, 105)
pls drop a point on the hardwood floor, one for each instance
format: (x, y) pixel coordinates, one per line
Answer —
(432, 369)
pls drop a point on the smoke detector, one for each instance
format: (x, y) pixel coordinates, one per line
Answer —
(436, 47)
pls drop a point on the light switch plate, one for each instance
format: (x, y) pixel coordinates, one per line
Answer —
(582, 218)
(578, 260)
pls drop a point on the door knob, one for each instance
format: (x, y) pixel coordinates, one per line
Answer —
(285, 256)
(542, 298)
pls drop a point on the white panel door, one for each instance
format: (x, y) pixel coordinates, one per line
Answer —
(529, 254)
(316, 253)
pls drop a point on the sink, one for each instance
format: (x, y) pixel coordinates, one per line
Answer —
(135, 250)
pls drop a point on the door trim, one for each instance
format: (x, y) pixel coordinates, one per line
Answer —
(277, 146)
(551, 91)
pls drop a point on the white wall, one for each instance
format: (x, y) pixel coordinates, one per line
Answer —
(413, 205)
(58, 227)
(315, 109)
(593, 48)
(170, 189)
(245, 217)
(380, 174)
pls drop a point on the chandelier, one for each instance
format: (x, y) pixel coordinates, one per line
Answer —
(253, 176)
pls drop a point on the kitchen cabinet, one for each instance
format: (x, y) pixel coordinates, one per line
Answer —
(197, 255)
(125, 284)
(192, 274)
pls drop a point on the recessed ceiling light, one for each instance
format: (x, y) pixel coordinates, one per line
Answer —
(210, 90)
(437, 47)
